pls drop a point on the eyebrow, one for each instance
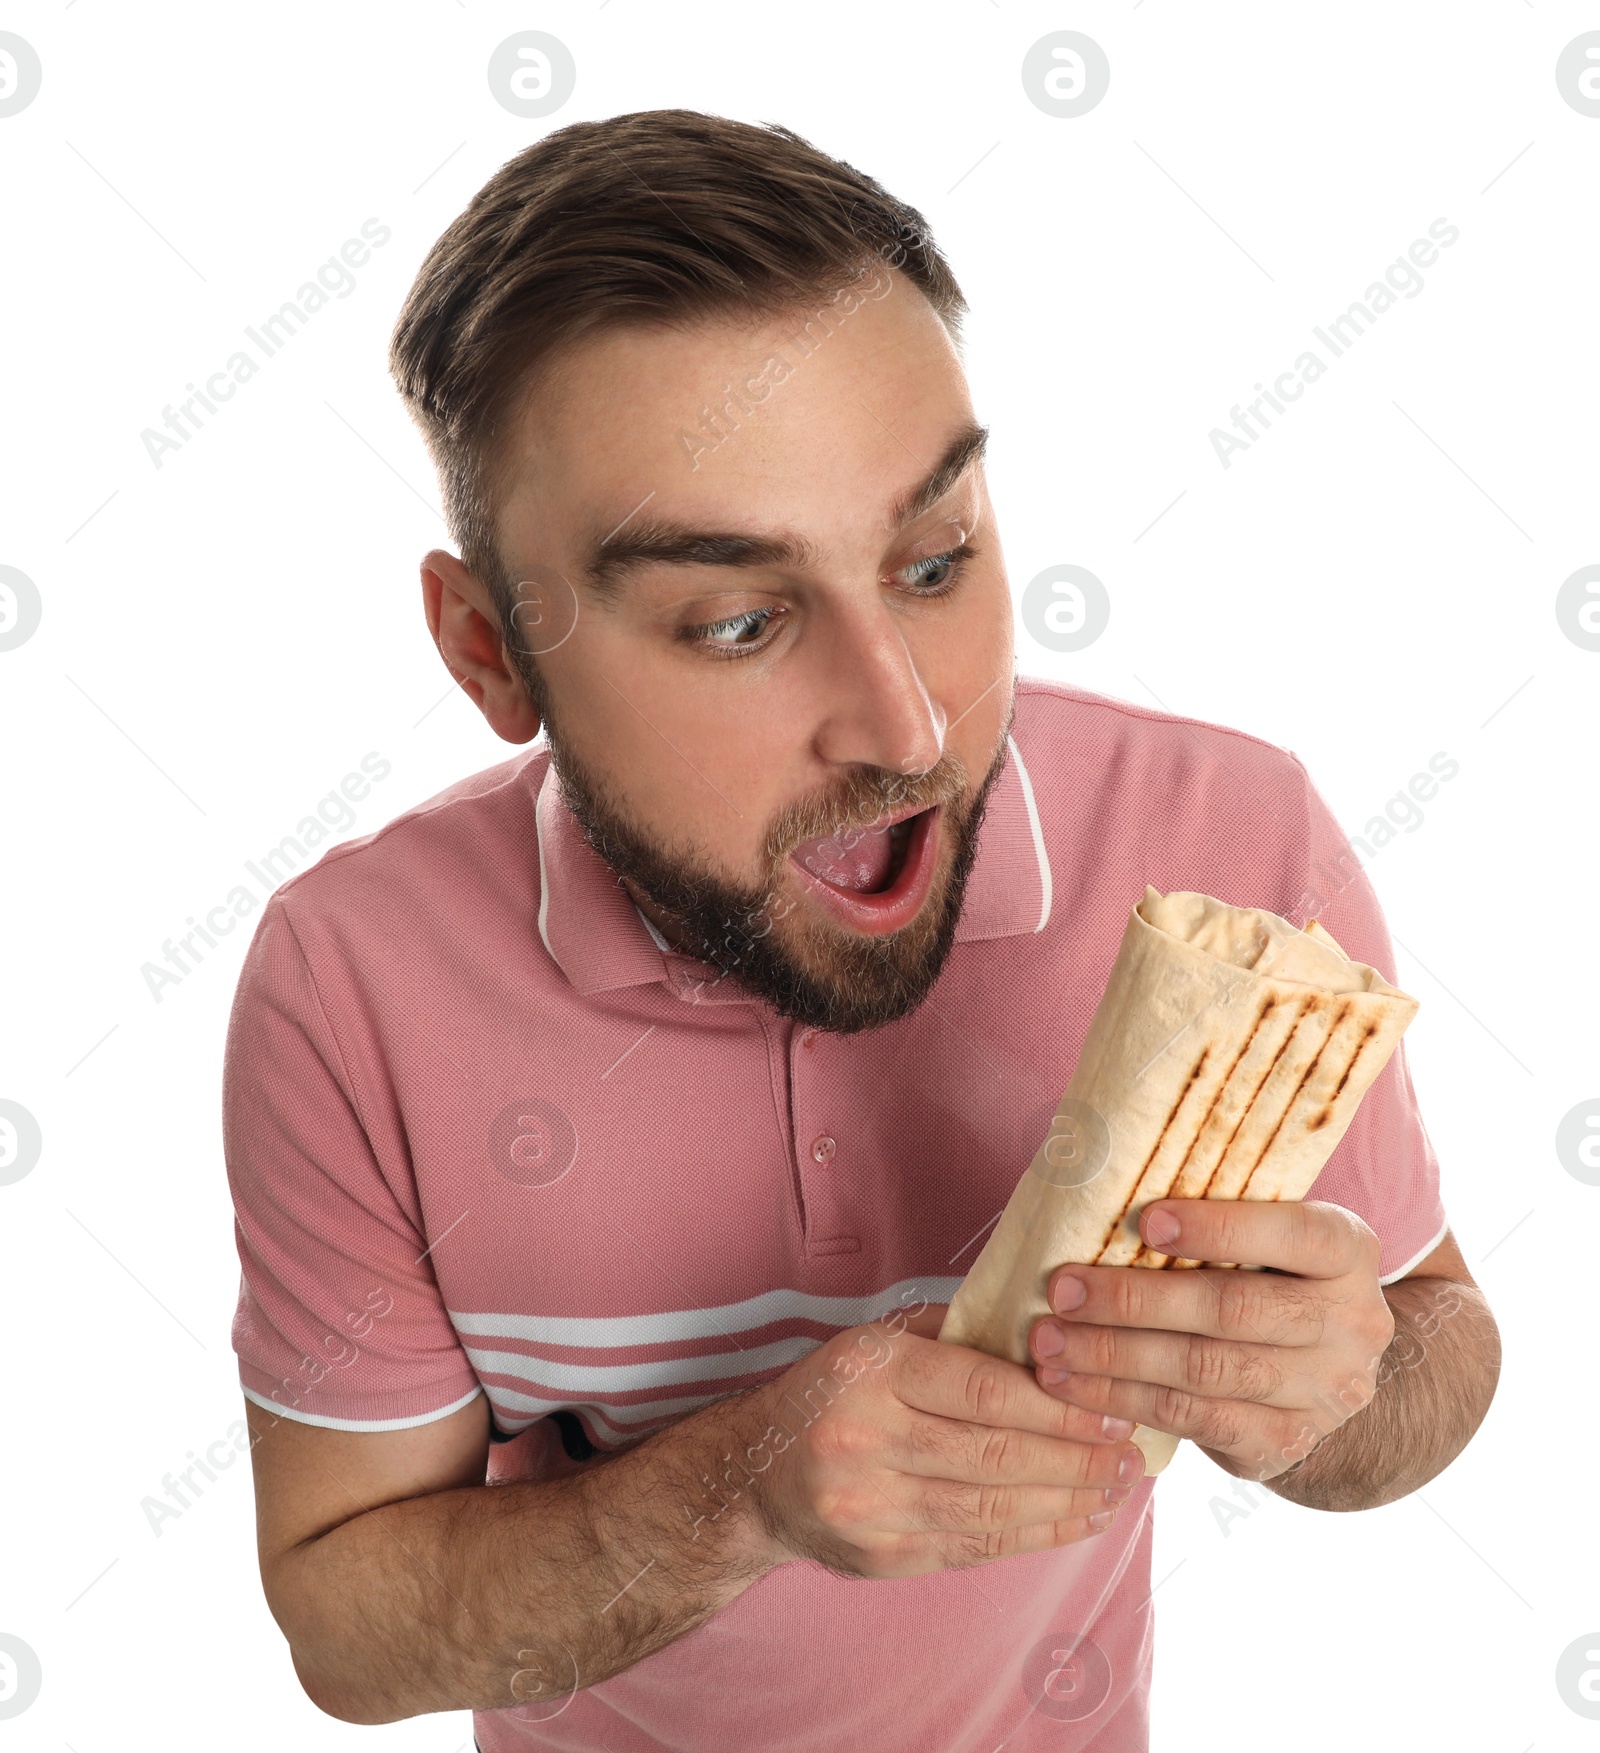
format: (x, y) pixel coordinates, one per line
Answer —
(666, 542)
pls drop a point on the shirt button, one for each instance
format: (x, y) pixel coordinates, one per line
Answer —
(822, 1149)
(809, 1038)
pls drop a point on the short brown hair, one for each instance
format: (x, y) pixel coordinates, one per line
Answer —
(653, 217)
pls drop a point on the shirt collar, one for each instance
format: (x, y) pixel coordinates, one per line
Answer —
(600, 940)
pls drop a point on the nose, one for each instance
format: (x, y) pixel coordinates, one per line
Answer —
(876, 708)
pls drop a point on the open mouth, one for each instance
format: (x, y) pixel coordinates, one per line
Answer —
(873, 878)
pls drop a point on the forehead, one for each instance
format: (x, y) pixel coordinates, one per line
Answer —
(816, 416)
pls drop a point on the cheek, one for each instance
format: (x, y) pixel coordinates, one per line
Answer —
(968, 658)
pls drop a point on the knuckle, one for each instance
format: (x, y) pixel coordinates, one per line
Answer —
(1123, 1294)
(1218, 1426)
(831, 1505)
(927, 1440)
(1099, 1348)
(837, 1439)
(999, 1452)
(1172, 1409)
(917, 1365)
(1365, 1246)
(1287, 1306)
(992, 1506)
(978, 1547)
(1380, 1325)
(987, 1392)
(1204, 1366)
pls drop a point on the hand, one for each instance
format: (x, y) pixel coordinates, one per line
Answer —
(1256, 1368)
(892, 1455)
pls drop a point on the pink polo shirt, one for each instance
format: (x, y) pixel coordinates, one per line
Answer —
(486, 1135)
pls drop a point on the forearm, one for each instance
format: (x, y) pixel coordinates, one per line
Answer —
(1435, 1383)
(489, 1596)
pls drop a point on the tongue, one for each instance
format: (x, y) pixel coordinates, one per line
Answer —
(858, 859)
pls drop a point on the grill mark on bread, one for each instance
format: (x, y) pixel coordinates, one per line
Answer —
(1327, 1113)
(1344, 1011)
(1266, 1010)
(1166, 1127)
(1167, 1260)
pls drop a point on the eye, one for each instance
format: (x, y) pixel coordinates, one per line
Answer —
(738, 633)
(934, 574)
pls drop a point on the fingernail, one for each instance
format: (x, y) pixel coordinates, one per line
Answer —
(1118, 1429)
(1070, 1292)
(1101, 1520)
(1131, 1466)
(1118, 1493)
(1050, 1378)
(1160, 1227)
(1049, 1341)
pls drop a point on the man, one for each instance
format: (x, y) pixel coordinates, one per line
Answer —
(607, 1133)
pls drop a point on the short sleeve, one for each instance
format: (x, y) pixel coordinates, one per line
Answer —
(1384, 1168)
(339, 1322)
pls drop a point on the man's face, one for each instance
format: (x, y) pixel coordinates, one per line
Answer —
(775, 645)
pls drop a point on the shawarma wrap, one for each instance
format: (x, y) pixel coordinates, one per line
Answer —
(1227, 1056)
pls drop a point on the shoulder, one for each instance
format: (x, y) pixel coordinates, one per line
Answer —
(1127, 794)
(1065, 733)
(473, 838)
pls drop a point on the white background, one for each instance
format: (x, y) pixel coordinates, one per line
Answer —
(1374, 581)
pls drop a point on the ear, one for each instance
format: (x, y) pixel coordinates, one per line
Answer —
(466, 630)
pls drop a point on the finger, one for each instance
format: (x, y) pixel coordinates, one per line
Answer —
(942, 1507)
(1219, 1369)
(956, 1382)
(1265, 1308)
(1311, 1238)
(974, 1549)
(982, 1454)
(1265, 1434)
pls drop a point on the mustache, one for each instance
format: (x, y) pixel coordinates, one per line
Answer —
(862, 800)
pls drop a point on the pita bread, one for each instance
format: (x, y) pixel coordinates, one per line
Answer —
(1226, 1059)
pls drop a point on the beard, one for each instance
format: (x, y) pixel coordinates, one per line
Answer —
(808, 968)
